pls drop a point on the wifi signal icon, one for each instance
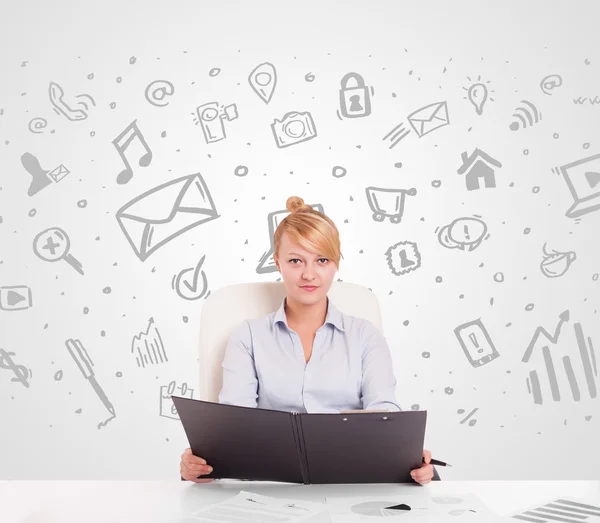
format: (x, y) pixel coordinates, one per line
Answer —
(525, 116)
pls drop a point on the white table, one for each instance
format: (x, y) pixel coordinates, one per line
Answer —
(161, 501)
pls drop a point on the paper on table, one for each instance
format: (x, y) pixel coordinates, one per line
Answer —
(457, 507)
(255, 508)
(559, 509)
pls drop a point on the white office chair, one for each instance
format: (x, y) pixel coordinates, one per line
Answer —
(229, 306)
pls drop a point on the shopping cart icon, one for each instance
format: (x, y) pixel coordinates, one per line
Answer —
(388, 203)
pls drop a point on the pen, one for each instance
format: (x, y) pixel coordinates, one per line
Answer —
(83, 361)
(437, 462)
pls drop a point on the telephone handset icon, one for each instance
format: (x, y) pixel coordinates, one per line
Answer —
(56, 98)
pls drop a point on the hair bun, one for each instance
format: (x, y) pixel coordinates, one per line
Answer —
(295, 203)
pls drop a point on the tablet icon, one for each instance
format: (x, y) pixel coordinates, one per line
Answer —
(267, 263)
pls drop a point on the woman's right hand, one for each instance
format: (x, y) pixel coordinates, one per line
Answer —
(194, 466)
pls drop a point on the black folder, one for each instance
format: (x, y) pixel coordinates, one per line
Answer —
(272, 445)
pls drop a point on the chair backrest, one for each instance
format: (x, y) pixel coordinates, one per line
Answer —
(229, 306)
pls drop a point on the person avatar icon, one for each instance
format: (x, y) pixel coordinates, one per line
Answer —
(40, 179)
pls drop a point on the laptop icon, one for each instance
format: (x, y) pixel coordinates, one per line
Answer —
(583, 180)
(267, 263)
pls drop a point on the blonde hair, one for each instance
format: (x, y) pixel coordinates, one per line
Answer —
(311, 229)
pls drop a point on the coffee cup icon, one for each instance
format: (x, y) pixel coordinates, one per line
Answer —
(554, 264)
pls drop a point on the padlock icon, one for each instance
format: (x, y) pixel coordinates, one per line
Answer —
(354, 101)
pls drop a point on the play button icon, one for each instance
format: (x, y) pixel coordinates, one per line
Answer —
(15, 298)
(592, 178)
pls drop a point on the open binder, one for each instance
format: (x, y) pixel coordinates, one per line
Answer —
(271, 445)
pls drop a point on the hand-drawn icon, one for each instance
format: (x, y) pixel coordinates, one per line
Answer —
(388, 202)
(562, 509)
(85, 364)
(189, 288)
(53, 244)
(263, 80)
(429, 118)
(587, 357)
(476, 343)
(526, 115)
(160, 215)
(148, 346)
(57, 94)
(167, 406)
(122, 143)
(550, 83)
(37, 125)
(22, 374)
(41, 178)
(468, 416)
(211, 118)
(15, 298)
(403, 257)
(476, 169)
(355, 101)
(396, 134)
(580, 100)
(478, 94)
(555, 264)
(158, 91)
(267, 263)
(293, 128)
(463, 233)
(583, 180)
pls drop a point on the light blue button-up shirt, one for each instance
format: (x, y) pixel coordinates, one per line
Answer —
(350, 366)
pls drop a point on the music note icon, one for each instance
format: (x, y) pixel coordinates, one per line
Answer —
(122, 142)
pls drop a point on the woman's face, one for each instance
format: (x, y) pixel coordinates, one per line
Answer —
(307, 276)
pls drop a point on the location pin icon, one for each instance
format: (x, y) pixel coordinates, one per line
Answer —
(263, 80)
(477, 96)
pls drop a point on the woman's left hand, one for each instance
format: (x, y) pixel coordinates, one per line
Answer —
(424, 474)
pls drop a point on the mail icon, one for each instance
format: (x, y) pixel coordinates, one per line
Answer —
(59, 173)
(160, 215)
(429, 118)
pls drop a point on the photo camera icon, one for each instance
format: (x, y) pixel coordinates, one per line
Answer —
(293, 128)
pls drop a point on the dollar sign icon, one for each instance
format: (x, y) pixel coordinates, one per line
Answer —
(20, 371)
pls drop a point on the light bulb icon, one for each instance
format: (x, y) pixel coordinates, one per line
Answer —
(478, 94)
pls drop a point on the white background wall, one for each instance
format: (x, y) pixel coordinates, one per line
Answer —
(412, 54)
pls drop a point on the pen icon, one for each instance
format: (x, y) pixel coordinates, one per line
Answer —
(85, 363)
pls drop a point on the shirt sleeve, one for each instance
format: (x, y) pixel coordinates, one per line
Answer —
(378, 381)
(240, 382)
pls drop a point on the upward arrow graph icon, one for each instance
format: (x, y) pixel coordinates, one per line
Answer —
(540, 330)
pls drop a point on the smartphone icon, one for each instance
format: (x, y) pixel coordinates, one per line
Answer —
(476, 343)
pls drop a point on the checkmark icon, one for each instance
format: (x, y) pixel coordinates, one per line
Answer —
(192, 288)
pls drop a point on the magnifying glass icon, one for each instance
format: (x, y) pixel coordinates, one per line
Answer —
(53, 245)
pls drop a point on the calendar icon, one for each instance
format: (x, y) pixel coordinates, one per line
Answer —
(167, 407)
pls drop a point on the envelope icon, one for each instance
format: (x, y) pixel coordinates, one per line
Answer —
(59, 173)
(160, 215)
(429, 118)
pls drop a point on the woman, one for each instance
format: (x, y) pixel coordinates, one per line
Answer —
(293, 352)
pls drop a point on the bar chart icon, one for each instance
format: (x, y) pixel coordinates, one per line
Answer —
(576, 371)
(561, 510)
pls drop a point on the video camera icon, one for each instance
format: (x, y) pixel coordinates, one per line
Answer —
(211, 118)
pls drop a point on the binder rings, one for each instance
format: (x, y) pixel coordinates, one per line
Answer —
(271, 445)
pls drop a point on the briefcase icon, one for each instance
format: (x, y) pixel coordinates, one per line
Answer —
(160, 215)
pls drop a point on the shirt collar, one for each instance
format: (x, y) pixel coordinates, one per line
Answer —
(334, 315)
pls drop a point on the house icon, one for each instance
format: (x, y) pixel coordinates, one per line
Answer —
(478, 165)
